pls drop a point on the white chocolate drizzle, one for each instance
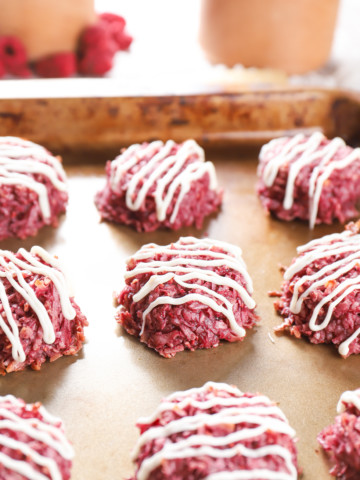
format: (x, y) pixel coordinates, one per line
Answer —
(350, 398)
(47, 430)
(186, 268)
(333, 273)
(164, 174)
(298, 152)
(12, 269)
(20, 158)
(257, 411)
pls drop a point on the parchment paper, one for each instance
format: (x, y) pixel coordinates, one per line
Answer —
(100, 393)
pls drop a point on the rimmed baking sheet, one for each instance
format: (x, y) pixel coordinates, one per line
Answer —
(104, 117)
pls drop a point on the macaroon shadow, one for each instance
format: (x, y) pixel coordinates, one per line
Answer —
(291, 229)
(127, 234)
(189, 368)
(321, 357)
(324, 457)
(45, 237)
(34, 386)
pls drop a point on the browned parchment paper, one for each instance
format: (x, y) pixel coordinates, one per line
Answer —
(115, 379)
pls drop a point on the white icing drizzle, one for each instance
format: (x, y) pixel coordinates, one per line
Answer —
(46, 431)
(327, 152)
(129, 158)
(289, 151)
(350, 397)
(323, 250)
(19, 158)
(166, 173)
(321, 179)
(209, 386)
(299, 152)
(197, 247)
(12, 268)
(329, 245)
(173, 269)
(296, 301)
(324, 240)
(203, 405)
(238, 414)
(257, 411)
(345, 346)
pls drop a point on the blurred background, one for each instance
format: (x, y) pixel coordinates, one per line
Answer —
(166, 48)
(166, 56)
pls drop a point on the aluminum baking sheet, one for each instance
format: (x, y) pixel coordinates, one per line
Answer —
(114, 380)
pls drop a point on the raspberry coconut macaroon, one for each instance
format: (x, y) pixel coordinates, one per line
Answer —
(309, 178)
(32, 442)
(33, 191)
(155, 185)
(215, 432)
(187, 295)
(341, 440)
(320, 295)
(39, 320)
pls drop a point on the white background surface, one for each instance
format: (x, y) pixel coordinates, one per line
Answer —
(166, 43)
(166, 58)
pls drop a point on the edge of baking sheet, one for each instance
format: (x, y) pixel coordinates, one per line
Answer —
(213, 119)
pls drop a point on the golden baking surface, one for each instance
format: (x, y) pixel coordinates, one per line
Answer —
(114, 380)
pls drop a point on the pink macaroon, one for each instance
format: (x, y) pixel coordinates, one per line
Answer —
(215, 432)
(320, 294)
(341, 440)
(33, 442)
(309, 177)
(190, 294)
(156, 185)
(33, 189)
(39, 318)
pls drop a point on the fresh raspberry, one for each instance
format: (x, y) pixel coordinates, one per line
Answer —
(13, 56)
(22, 72)
(115, 25)
(95, 62)
(2, 69)
(96, 50)
(97, 36)
(59, 65)
(98, 44)
(113, 19)
(124, 41)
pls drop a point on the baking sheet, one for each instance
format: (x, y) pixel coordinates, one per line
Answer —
(114, 380)
(96, 121)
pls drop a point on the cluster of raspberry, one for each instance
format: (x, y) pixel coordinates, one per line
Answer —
(94, 55)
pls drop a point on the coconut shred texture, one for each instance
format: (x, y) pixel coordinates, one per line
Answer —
(189, 294)
(33, 188)
(320, 296)
(215, 432)
(153, 185)
(33, 445)
(341, 439)
(35, 305)
(310, 178)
